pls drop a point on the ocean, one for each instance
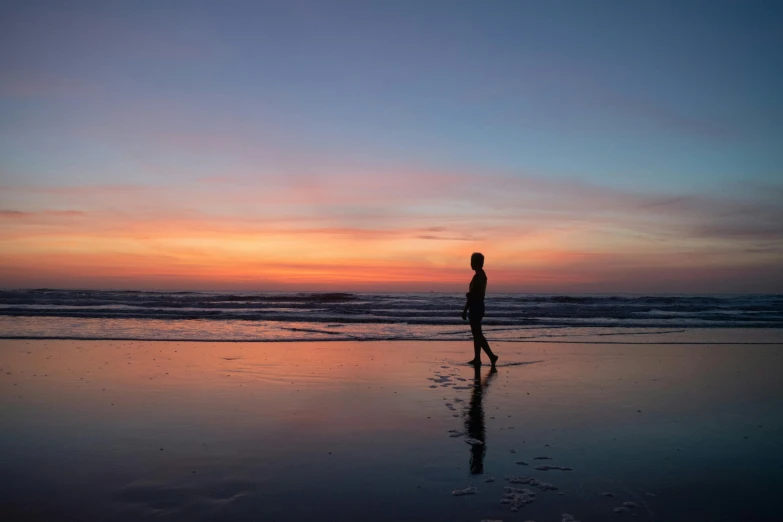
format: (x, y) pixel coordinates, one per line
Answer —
(306, 316)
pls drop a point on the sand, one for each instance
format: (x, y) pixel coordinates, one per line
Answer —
(111, 430)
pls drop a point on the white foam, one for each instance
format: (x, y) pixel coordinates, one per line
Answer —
(530, 481)
(489, 479)
(567, 517)
(473, 442)
(519, 480)
(516, 497)
(470, 490)
(630, 504)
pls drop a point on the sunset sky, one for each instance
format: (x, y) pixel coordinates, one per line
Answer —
(328, 145)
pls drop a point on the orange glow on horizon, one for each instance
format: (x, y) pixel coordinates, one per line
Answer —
(159, 245)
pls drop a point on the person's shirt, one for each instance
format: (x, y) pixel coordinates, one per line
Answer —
(478, 287)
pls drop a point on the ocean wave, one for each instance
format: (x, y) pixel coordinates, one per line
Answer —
(391, 315)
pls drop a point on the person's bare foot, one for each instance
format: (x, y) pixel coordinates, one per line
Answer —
(475, 362)
(493, 359)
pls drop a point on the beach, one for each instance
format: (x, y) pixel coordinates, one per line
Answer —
(251, 254)
(389, 430)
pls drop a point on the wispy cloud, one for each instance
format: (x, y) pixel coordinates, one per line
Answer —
(13, 214)
(445, 238)
(18, 214)
(355, 230)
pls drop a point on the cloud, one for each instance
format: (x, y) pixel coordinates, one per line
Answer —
(390, 200)
(66, 213)
(496, 206)
(373, 230)
(13, 214)
(445, 238)
(742, 230)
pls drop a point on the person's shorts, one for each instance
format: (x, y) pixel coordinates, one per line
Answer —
(476, 312)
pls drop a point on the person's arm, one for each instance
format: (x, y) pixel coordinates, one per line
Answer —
(467, 300)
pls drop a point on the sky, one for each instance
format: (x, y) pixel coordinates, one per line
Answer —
(612, 147)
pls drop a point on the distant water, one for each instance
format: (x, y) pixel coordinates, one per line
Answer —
(265, 316)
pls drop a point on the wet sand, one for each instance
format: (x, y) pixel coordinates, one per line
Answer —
(102, 430)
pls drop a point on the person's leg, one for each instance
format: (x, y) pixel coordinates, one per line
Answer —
(475, 329)
(483, 342)
(492, 357)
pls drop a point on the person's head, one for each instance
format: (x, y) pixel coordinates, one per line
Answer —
(477, 260)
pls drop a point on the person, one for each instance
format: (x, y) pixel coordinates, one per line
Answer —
(474, 309)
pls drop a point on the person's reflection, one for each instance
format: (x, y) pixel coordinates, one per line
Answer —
(474, 420)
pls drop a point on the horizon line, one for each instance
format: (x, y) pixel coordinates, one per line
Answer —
(321, 292)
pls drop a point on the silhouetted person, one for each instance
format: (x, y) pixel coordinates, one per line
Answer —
(474, 421)
(474, 309)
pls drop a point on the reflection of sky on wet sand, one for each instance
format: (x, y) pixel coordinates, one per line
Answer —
(303, 331)
(119, 430)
